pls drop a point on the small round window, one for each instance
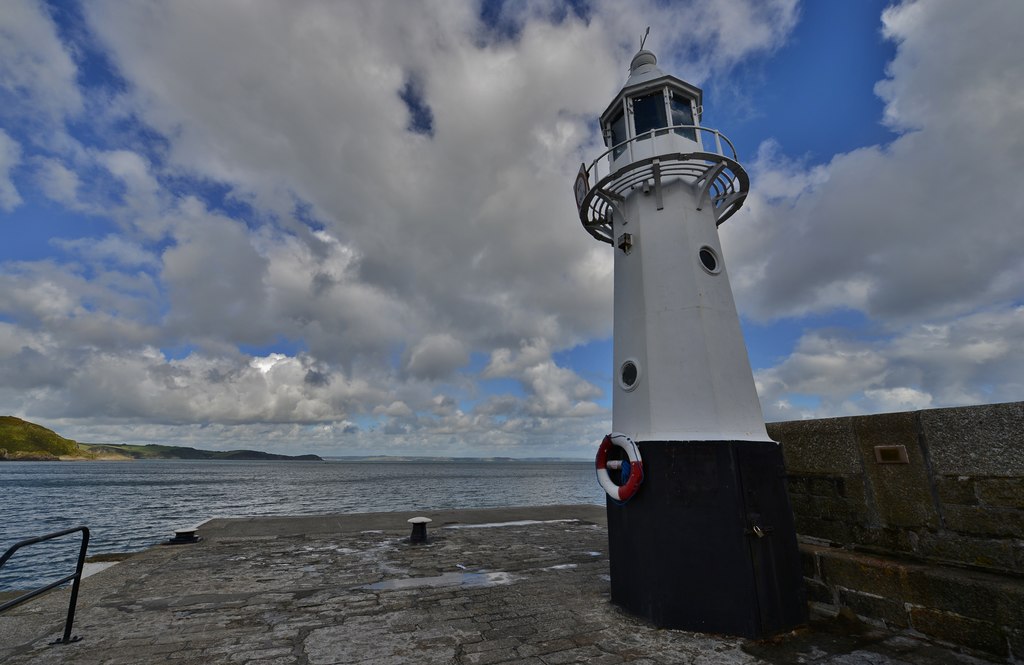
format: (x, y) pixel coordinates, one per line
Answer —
(709, 260)
(629, 375)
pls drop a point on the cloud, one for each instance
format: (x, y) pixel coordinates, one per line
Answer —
(355, 201)
(145, 386)
(919, 235)
(37, 74)
(465, 220)
(728, 31)
(922, 227)
(507, 362)
(80, 309)
(972, 359)
(551, 391)
(10, 155)
(436, 356)
(987, 73)
(110, 249)
(58, 182)
(215, 279)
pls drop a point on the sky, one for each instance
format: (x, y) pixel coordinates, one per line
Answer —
(348, 228)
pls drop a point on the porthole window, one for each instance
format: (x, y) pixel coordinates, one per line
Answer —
(709, 260)
(629, 375)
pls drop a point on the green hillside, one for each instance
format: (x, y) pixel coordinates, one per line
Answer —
(22, 440)
(19, 436)
(155, 451)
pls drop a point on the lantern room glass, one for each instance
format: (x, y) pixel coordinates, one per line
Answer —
(682, 114)
(618, 127)
(649, 112)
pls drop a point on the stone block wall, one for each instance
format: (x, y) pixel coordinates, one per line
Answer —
(932, 536)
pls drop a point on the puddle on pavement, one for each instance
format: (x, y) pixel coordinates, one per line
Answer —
(445, 579)
(494, 525)
(89, 569)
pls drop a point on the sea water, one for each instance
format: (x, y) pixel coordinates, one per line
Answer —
(129, 506)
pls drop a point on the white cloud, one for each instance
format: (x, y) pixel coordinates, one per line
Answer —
(507, 362)
(436, 357)
(973, 359)
(216, 281)
(708, 37)
(897, 399)
(384, 259)
(10, 155)
(924, 227)
(100, 309)
(559, 391)
(144, 386)
(982, 76)
(396, 409)
(110, 249)
(133, 172)
(36, 70)
(921, 235)
(59, 182)
(551, 391)
(461, 228)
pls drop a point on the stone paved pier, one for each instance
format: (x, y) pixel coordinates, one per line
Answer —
(525, 585)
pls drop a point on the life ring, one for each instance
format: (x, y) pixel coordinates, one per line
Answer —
(636, 472)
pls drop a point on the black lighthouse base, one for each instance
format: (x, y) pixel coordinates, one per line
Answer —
(707, 544)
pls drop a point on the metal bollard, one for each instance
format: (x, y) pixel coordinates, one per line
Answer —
(419, 529)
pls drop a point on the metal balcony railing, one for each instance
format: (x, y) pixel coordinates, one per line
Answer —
(710, 166)
(76, 576)
(712, 140)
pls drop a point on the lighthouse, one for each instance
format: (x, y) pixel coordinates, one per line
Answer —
(700, 528)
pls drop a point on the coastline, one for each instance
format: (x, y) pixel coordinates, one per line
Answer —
(24, 441)
(173, 453)
(47, 457)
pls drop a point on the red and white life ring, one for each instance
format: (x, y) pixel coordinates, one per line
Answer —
(636, 472)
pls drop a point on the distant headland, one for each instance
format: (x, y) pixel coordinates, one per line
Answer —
(23, 441)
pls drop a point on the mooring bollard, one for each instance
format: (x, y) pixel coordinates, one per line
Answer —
(419, 529)
(185, 536)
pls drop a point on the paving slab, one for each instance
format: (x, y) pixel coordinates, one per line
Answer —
(517, 585)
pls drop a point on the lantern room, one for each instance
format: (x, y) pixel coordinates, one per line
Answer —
(651, 104)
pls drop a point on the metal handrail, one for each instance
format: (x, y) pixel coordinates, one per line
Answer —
(76, 576)
(721, 180)
(593, 171)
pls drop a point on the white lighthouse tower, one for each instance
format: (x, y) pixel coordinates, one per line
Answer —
(706, 542)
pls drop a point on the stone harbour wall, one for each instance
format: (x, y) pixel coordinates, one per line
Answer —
(915, 519)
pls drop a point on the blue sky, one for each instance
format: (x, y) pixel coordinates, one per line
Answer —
(345, 229)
